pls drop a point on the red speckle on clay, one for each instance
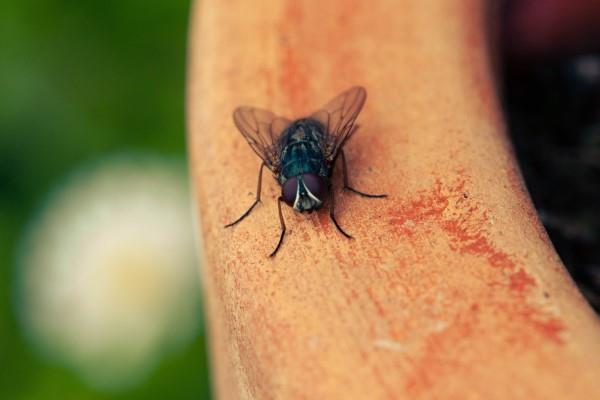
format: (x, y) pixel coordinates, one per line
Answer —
(520, 281)
(511, 291)
(465, 224)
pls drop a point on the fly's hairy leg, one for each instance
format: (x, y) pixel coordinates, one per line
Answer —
(347, 185)
(332, 213)
(258, 189)
(282, 223)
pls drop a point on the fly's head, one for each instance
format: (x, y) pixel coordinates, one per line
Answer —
(305, 192)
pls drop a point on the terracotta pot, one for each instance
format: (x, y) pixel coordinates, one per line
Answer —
(450, 289)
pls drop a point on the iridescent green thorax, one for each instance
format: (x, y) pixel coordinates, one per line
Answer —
(301, 151)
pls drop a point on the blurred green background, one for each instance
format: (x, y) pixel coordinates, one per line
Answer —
(79, 81)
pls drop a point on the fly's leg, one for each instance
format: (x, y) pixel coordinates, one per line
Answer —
(332, 214)
(347, 185)
(282, 223)
(244, 215)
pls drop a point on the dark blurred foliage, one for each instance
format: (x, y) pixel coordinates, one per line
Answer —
(553, 112)
(78, 80)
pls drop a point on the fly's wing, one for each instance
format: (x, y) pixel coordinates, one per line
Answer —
(261, 129)
(338, 118)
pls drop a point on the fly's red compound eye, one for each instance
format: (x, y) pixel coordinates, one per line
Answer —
(290, 187)
(315, 184)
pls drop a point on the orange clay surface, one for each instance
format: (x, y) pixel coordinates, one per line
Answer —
(451, 289)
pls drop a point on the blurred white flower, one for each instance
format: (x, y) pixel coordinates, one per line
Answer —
(107, 277)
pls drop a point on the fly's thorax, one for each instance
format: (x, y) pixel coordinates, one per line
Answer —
(305, 192)
(302, 130)
(301, 150)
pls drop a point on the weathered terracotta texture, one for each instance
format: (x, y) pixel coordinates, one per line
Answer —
(451, 289)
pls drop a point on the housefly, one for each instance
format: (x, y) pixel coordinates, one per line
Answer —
(302, 153)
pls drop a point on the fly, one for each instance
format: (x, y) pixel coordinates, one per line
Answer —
(302, 153)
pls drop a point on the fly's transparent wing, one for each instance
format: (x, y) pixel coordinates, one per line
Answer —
(338, 118)
(261, 129)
